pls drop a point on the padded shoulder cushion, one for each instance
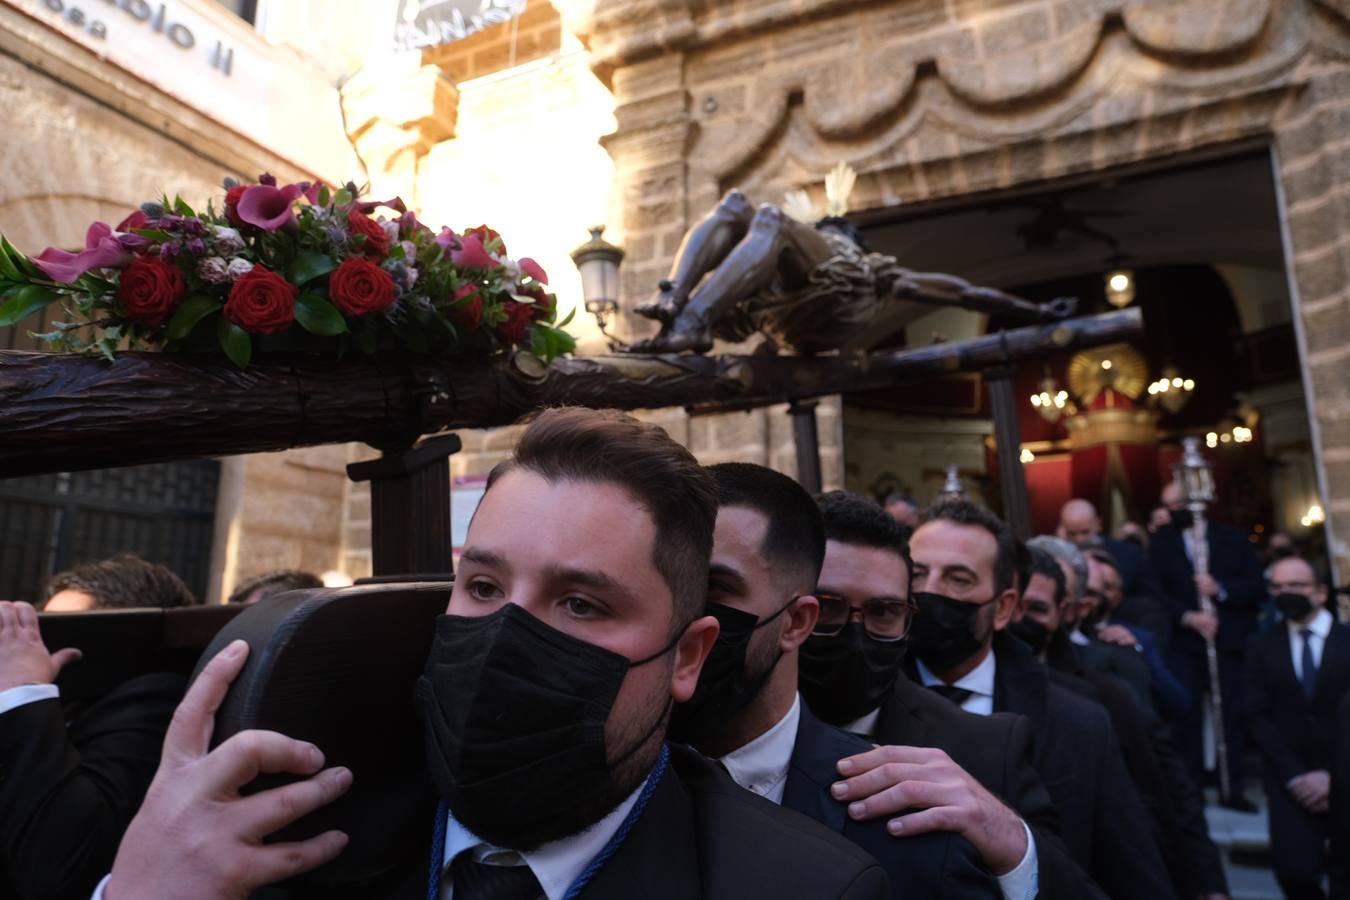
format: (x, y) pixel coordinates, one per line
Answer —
(337, 667)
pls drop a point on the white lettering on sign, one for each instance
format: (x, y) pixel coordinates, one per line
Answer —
(156, 17)
(428, 23)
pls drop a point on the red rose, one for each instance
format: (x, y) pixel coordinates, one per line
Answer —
(467, 313)
(543, 300)
(261, 302)
(376, 244)
(359, 287)
(232, 197)
(512, 330)
(150, 290)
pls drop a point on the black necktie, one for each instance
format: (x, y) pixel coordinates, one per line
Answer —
(473, 880)
(1309, 679)
(957, 695)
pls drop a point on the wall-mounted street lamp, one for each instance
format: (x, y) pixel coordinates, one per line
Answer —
(598, 262)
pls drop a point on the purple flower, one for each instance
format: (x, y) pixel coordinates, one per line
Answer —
(227, 241)
(466, 251)
(102, 249)
(269, 207)
(268, 179)
(192, 226)
(213, 270)
(408, 223)
(169, 250)
(196, 246)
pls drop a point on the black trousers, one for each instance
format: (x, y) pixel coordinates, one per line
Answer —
(1192, 670)
(1298, 841)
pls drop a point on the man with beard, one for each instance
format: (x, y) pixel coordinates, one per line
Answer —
(964, 560)
(767, 551)
(574, 624)
(1080, 523)
(851, 678)
(1297, 676)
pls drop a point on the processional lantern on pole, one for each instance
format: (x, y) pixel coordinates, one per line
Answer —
(1195, 480)
(953, 488)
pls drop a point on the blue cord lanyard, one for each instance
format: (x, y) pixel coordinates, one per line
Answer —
(593, 867)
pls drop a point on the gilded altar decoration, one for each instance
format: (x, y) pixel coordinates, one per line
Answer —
(300, 267)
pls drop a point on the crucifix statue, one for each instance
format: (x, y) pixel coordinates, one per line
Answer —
(809, 288)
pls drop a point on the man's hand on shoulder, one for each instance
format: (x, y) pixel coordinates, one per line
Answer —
(931, 793)
(195, 835)
(23, 657)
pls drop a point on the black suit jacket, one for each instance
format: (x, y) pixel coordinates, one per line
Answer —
(1295, 736)
(997, 751)
(1154, 763)
(1136, 575)
(1078, 755)
(1233, 564)
(1340, 806)
(938, 865)
(701, 837)
(68, 792)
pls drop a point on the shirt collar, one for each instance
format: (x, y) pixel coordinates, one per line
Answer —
(979, 680)
(1319, 626)
(867, 725)
(763, 763)
(556, 864)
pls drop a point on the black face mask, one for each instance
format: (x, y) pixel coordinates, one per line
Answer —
(1032, 633)
(845, 676)
(725, 686)
(1294, 607)
(943, 632)
(1183, 519)
(515, 713)
(1281, 551)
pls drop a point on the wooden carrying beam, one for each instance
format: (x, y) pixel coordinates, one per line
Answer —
(62, 412)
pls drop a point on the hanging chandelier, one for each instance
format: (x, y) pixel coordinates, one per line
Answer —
(1172, 391)
(1051, 401)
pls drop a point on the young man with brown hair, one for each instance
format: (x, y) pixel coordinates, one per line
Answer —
(574, 625)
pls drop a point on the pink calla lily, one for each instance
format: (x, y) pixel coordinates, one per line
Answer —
(269, 207)
(532, 269)
(102, 249)
(470, 254)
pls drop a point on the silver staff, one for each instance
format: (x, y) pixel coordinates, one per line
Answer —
(1196, 482)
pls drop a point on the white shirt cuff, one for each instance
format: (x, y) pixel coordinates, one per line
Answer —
(98, 891)
(1022, 883)
(25, 694)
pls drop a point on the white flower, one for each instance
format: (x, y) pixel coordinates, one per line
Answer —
(410, 277)
(213, 270)
(390, 230)
(227, 241)
(238, 268)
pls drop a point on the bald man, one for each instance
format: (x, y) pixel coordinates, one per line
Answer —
(1143, 605)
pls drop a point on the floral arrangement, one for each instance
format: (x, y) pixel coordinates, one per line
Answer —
(300, 267)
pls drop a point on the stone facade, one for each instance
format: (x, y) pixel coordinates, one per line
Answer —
(936, 100)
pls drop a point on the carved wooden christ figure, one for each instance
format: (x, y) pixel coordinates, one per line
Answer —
(811, 290)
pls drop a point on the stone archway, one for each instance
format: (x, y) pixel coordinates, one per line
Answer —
(933, 101)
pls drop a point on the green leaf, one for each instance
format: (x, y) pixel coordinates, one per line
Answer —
(192, 310)
(325, 195)
(180, 206)
(307, 266)
(8, 268)
(27, 301)
(154, 234)
(236, 343)
(343, 197)
(26, 267)
(567, 321)
(317, 316)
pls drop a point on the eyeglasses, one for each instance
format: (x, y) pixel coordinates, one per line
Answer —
(885, 620)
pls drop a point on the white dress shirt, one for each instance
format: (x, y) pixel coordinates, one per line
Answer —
(24, 694)
(761, 766)
(556, 864)
(979, 681)
(1318, 629)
